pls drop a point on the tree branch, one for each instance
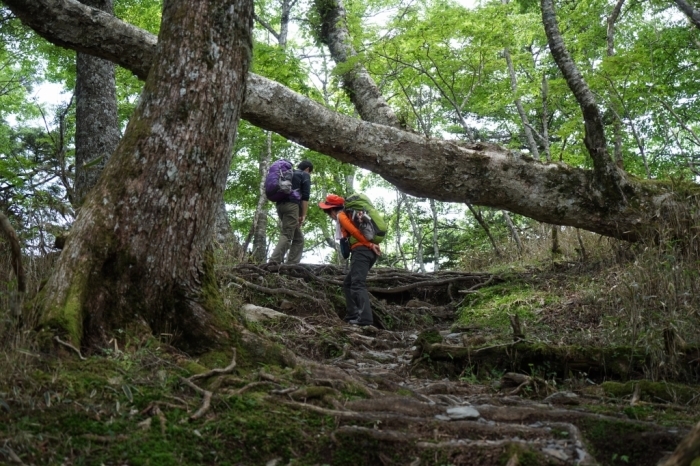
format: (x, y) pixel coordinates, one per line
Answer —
(693, 14)
(264, 24)
(608, 176)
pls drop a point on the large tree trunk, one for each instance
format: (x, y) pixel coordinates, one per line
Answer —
(138, 244)
(603, 200)
(96, 122)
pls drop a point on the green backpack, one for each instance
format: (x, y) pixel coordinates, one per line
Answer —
(366, 217)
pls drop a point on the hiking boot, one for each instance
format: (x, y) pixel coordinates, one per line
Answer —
(357, 322)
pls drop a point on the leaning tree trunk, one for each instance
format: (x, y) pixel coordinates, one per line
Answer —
(96, 122)
(138, 245)
(359, 85)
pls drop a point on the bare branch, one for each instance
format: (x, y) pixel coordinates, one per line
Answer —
(264, 24)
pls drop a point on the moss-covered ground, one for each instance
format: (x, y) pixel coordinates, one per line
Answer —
(68, 411)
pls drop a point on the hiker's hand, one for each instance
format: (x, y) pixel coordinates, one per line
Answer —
(301, 219)
(375, 249)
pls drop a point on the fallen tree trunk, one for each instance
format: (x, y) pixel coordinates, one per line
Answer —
(618, 362)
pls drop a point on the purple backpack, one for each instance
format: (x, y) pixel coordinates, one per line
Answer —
(278, 182)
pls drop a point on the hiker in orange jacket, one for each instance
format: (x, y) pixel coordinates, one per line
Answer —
(363, 256)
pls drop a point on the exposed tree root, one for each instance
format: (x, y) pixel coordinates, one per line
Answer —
(206, 399)
(227, 370)
(520, 356)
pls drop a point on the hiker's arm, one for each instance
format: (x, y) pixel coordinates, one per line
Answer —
(305, 189)
(347, 225)
(304, 207)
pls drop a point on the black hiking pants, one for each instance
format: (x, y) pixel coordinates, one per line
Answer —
(358, 308)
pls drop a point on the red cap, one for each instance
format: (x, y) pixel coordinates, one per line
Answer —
(332, 201)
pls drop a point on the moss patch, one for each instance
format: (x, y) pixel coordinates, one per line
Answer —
(491, 306)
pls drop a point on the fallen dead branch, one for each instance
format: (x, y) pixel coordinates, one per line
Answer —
(13, 456)
(68, 345)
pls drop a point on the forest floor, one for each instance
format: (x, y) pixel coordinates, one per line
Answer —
(452, 378)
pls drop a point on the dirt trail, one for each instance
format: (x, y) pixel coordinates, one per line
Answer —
(458, 422)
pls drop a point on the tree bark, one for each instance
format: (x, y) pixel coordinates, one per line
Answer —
(16, 249)
(480, 174)
(607, 174)
(96, 122)
(358, 84)
(436, 246)
(138, 245)
(692, 13)
(260, 219)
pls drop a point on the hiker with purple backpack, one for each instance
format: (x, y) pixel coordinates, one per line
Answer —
(290, 190)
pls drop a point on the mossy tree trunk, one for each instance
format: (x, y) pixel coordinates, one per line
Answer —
(138, 246)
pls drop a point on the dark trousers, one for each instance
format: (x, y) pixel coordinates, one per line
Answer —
(355, 286)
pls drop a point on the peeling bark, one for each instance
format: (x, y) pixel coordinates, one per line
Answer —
(138, 246)
(480, 174)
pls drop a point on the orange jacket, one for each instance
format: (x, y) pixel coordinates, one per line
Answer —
(347, 228)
